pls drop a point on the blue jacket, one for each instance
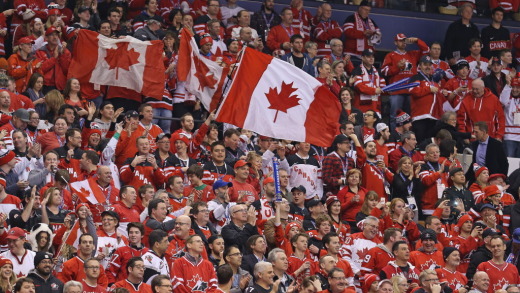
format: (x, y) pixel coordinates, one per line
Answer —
(307, 63)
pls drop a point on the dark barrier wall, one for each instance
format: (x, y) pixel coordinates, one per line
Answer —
(429, 27)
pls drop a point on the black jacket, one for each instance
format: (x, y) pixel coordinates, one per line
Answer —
(235, 236)
(457, 38)
(458, 136)
(51, 285)
(248, 263)
(465, 195)
(482, 254)
(490, 82)
(496, 159)
(400, 188)
(199, 232)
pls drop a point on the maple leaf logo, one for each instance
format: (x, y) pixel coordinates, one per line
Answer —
(205, 80)
(501, 284)
(284, 100)
(197, 284)
(431, 264)
(361, 253)
(121, 57)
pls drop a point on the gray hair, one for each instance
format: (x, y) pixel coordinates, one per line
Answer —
(260, 267)
(310, 44)
(271, 257)
(446, 116)
(72, 283)
(431, 145)
(462, 7)
(407, 135)
(335, 40)
(371, 218)
(159, 192)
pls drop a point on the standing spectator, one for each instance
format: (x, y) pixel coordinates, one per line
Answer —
(348, 111)
(459, 33)
(481, 105)
(458, 190)
(22, 64)
(496, 80)
(263, 20)
(478, 64)
(134, 282)
(381, 255)
(399, 65)
(434, 179)
(241, 191)
(488, 152)
(326, 30)
(306, 171)
(457, 87)
(150, 12)
(193, 273)
(213, 11)
(298, 57)
(510, 99)
(43, 277)
(496, 37)
(154, 261)
(279, 36)
(336, 165)
(361, 32)
(56, 60)
(73, 268)
(425, 102)
(302, 18)
(368, 83)
(439, 65)
(407, 148)
(143, 168)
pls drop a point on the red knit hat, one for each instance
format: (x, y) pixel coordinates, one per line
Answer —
(6, 156)
(491, 190)
(289, 226)
(180, 136)
(463, 220)
(5, 261)
(369, 279)
(206, 38)
(479, 169)
(81, 205)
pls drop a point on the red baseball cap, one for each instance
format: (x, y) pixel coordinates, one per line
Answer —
(399, 37)
(15, 233)
(25, 40)
(268, 180)
(51, 30)
(241, 163)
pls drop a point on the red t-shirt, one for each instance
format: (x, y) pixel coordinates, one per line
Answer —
(242, 192)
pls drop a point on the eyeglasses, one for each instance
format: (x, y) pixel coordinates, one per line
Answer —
(236, 254)
(108, 219)
(181, 224)
(92, 268)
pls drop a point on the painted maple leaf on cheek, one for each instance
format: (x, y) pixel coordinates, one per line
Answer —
(284, 100)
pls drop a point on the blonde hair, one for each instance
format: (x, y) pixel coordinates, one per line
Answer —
(395, 282)
(402, 161)
(54, 100)
(394, 202)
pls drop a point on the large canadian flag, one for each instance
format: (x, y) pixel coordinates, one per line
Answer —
(277, 99)
(204, 78)
(126, 62)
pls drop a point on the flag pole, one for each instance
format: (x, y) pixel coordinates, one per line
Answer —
(230, 79)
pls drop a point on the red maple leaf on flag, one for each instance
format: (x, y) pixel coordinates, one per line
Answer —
(121, 57)
(284, 100)
(205, 80)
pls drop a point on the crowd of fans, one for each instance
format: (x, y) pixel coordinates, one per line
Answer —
(97, 194)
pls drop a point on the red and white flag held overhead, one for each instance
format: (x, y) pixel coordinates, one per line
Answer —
(126, 62)
(277, 99)
(204, 78)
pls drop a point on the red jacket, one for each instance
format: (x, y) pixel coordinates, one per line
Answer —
(54, 70)
(373, 177)
(486, 108)
(432, 180)
(141, 174)
(280, 34)
(116, 269)
(324, 32)
(21, 70)
(424, 103)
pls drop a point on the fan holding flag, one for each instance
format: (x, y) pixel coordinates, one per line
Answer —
(425, 100)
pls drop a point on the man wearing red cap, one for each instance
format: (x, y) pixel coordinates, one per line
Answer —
(23, 259)
(399, 65)
(510, 99)
(56, 60)
(466, 238)
(241, 190)
(264, 205)
(22, 65)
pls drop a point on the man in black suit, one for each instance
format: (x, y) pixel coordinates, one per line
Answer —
(487, 151)
(257, 248)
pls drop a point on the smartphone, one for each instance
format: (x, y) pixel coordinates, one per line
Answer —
(383, 200)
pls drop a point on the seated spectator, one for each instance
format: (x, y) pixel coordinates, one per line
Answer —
(134, 282)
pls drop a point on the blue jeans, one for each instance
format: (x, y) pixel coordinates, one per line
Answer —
(165, 124)
(398, 102)
(512, 148)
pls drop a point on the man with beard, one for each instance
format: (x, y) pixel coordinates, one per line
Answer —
(456, 280)
(43, 277)
(298, 57)
(263, 20)
(375, 174)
